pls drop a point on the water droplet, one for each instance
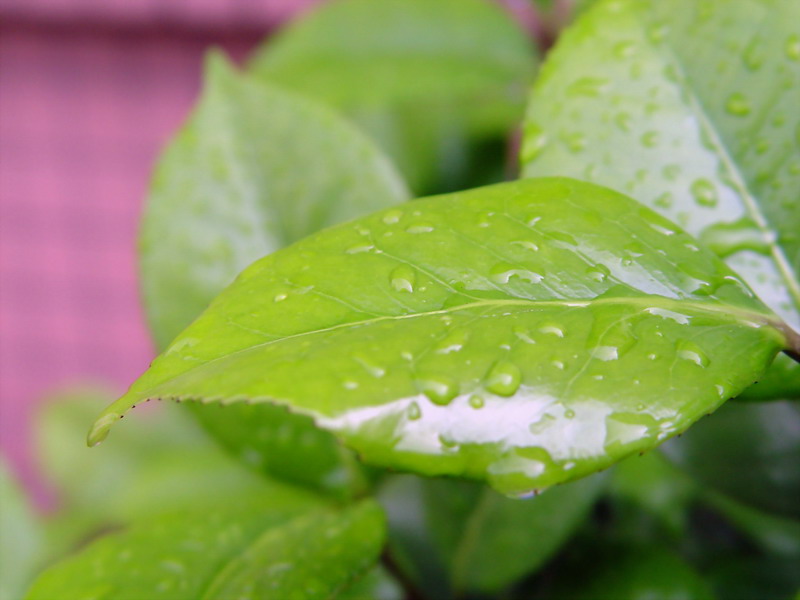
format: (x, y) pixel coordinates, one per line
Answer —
(476, 401)
(504, 378)
(792, 47)
(591, 87)
(569, 413)
(575, 141)
(523, 334)
(453, 342)
(403, 278)
(605, 353)
(671, 172)
(393, 216)
(350, 385)
(544, 423)
(420, 228)
(726, 239)
(665, 200)
(359, 248)
(623, 121)
(598, 272)
(414, 411)
(528, 245)
(693, 353)
(704, 192)
(738, 105)
(439, 389)
(624, 49)
(652, 356)
(533, 143)
(753, 55)
(558, 364)
(369, 366)
(280, 297)
(552, 329)
(650, 139)
(640, 407)
(503, 272)
(447, 443)
(405, 355)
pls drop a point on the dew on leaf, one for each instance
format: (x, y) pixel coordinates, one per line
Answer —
(704, 192)
(693, 353)
(503, 378)
(420, 228)
(527, 244)
(392, 217)
(414, 411)
(552, 329)
(738, 105)
(476, 401)
(504, 272)
(650, 139)
(606, 353)
(403, 278)
(598, 272)
(439, 389)
(454, 342)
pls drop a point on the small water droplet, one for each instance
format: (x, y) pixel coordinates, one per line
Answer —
(403, 278)
(552, 329)
(693, 353)
(591, 87)
(454, 342)
(792, 47)
(280, 297)
(623, 121)
(359, 248)
(523, 334)
(605, 353)
(753, 55)
(439, 389)
(598, 272)
(393, 216)
(558, 364)
(504, 378)
(528, 245)
(665, 200)
(533, 143)
(369, 366)
(569, 413)
(704, 192)
(640, 407)
(650, 139)
(420, 228)
(476, 401)
(504, 272)
(652, 356)
(738, 105)
(414, 411)
(575, 141)
(350, 385)
(405, 355)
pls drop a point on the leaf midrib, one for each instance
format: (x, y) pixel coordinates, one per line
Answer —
(737, 177)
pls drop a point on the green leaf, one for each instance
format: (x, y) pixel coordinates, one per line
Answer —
(20, 538)
(490, 541)
(749, 452)
(689, 107)
(246, 549)
(425, 78)
(377, 584)
(254, 169)
(510, 333)
(634, 574)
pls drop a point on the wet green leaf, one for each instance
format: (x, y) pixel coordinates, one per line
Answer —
(253, 548)
(510, 333)
(427, 79)
(489, 541)
(21, 540)
(749, 452)
(254, 169)
(689, 107)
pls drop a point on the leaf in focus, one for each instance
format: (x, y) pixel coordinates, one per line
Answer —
(511, 333)
(691, 108)
(254, 169)
(242, 549)
(490, 541)
(749, 452)
(20, 538)
(427, 79)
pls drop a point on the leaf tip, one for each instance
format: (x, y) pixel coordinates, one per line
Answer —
(100, 429)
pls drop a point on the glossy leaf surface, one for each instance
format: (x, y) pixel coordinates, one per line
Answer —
(425, 78)
(691, 108)
(244, 550)
(749, 452)
(511, 333)
(489, 541)
(21, 539)
(254, 169)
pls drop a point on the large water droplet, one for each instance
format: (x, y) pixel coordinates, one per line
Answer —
(738, 105)
(693, 353)
(439, 389)
(403, 278)
(504, 378)
(704, 192)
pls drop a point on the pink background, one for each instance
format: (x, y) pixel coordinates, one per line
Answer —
(89, 92)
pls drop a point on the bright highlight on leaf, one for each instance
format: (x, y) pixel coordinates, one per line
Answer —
(505, 361)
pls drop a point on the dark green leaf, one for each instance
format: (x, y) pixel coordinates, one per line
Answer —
(377, 584)
(490, 541)
(423, 77)
(750, 452)
(253, 549)
(690, 107)
(254, 169)
(20, 538)
(511, 333)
